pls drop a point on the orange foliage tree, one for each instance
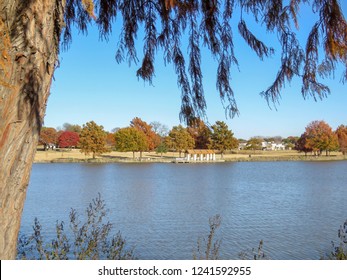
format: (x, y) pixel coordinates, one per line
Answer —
(320, 137)
(93, 139)
(341, 133)
(153, 139)
(179, 139)
(48, 135)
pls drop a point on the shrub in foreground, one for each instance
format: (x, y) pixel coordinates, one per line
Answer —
(88, 240)
(339, 252)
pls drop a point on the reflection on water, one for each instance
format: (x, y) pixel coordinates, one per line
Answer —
(162, 209)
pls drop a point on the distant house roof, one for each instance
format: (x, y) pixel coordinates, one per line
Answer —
(199, 152)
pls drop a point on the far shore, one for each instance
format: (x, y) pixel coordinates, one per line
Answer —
(74, 155)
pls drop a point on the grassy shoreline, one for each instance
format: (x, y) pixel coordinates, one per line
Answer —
(74, 156)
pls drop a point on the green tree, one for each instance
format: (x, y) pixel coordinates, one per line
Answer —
(130, 139)
(290, 142)
(93, 139)
(179, 139)
(254, 143)
(31, 33)
(341, 133)
(222, 138)
(161, 149)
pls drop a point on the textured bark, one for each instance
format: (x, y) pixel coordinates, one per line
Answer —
(29, 40)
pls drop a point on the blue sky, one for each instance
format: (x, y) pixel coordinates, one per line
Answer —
(90, 85)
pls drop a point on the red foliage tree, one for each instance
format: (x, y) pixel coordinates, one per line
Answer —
(68, 139)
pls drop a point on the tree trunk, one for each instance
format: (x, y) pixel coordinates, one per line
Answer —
(29, 40)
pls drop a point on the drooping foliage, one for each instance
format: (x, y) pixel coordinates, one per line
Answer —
(169, 24)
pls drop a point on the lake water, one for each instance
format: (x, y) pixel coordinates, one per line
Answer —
(162, 209)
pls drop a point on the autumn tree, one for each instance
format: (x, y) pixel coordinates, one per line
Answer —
(222, 138)
(201, 133)
(32, 32)
(93, 139)
(320, 137)
(153, 139)
(302, 144)
(162, 148)
(341, 133)
(68, 139)
(130, 139)
(179, 139)
(110, 141)
(48, 135)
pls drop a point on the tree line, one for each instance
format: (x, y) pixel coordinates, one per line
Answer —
(319, 137)
(141, 136)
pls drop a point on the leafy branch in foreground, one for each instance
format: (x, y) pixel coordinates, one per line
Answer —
(89, 240)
